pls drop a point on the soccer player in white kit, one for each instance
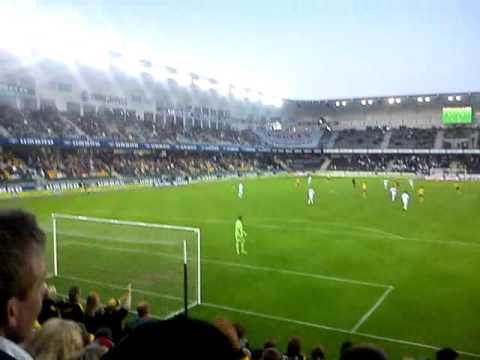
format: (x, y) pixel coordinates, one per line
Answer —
(240, 190)
(385, 184)
(309, 180)
(405, 199)
(393, 193)
(311, 196)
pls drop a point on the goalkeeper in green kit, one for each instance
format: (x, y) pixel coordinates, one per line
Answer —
(240, 236)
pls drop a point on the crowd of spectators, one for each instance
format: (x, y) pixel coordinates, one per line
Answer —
(44, 163)
(411, 138)
(419, 164)
(359, 163)
(370, 137)
(289, 137)
(460, 137)
(112, 125)
(125, 126)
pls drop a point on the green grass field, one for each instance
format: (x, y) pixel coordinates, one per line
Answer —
(346, 268)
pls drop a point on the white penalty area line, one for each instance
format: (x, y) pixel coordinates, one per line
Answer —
(372, 309)
(238, 265)
(330, 328)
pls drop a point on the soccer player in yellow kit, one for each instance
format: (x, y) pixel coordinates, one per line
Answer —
(364, 189)
(421, 193)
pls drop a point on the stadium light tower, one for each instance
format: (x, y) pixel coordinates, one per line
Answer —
(370, 101)
(458, 98)
(427, 99)
(344, 103)
(450, 98)
(337, 103)
(420, 99)
(398, 100)
(391, 101)
(363, 102)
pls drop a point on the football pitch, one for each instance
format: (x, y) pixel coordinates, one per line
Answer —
(347, 268)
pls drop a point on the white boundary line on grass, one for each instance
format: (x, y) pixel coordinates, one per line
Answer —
(372, 309)
(298, 273)
(330, 328)
(231, 264)
(389, 288)
(370, 233)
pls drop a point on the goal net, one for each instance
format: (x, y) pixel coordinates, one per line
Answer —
(162, 262)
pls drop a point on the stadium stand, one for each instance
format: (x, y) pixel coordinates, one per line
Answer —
(460, 137)
(290, 138)
(56, 164)
(410, 138)
(108, 125)
(371, 137)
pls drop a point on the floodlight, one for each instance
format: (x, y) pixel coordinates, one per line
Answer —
(458, 98)
(344, 103)
(420, 99)
(427, 99)
(398, 100)
(370, 101)
(450, 98)
(364, 102)
(391, 101)
(337, 103)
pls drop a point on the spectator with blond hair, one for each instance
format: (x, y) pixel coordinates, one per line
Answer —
(57, 339)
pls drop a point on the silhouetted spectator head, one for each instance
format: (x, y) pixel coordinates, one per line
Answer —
(74, 295)
(446, 354)
(294, 347)
(269, 344)
(177, 338)
(56, 339)
(318, 353)
(22, 273)
(363, 352)
(143, 309)
(271, 354)
(345, 346)
(112, 304)
(92, 303)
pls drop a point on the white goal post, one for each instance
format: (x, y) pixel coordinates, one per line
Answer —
(161, 261)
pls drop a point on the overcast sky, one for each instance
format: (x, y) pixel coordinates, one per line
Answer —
(292, 49)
